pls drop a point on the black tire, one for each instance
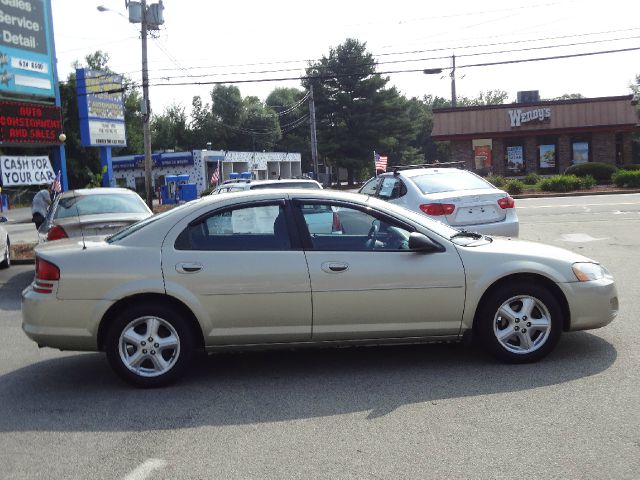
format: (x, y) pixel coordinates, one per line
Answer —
(6, 256)
(153, 357)
(523, 338)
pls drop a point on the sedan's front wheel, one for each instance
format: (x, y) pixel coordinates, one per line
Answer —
(149, 345)
(520, 323)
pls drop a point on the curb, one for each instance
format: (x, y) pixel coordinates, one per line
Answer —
(574, 194)
(23, 261)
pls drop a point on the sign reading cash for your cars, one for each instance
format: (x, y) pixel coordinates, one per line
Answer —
(25, 170)
(25, 60)
(101, 108)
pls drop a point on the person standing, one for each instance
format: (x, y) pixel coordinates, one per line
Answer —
(39, 206)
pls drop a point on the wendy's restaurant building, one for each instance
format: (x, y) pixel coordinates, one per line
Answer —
(545, 137)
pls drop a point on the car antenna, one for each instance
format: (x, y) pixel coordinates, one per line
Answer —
(75, 204)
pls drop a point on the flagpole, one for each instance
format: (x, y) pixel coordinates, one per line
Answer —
(375, 169)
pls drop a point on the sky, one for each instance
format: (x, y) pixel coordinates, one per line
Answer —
(205, 41)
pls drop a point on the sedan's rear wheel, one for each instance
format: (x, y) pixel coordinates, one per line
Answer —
(520, 323)
(149, 346)
(6, 257)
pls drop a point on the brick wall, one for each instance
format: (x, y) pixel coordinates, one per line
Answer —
(627, 146)
(565, 152)
(461, 151)
(530, 155)
(498, 154)
(603, 145)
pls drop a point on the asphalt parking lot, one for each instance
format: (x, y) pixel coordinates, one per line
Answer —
(434, 411)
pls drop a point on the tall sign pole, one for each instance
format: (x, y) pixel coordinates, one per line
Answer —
(146, 109)
(314, 140)
(454, 101)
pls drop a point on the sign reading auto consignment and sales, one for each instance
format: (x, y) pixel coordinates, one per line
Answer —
(101, 108)
(25, 60)
(519, 116)
(32, 123)
(25, 170)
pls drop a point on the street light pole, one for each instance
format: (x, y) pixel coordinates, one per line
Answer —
(432, 71)
(146, 109)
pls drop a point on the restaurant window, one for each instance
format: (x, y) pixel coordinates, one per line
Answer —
(580, 151)
(514, 157)
(547, 155)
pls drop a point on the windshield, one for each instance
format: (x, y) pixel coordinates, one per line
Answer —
(310, 185)
(134, 227)
(435, 226)
(99, 204)
(449, 181)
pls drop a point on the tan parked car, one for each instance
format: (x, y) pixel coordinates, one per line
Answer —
(5, 248)
(247, 269)
(92, 211)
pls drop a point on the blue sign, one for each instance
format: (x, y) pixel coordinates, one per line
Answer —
(130, 162)
(25, 48)
(100, 108)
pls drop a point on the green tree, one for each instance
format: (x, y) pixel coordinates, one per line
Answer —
(354, 111)
(170, 131)
(293, 110)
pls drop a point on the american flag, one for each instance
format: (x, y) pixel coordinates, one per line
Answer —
(381, 162)
(56, 186)
(215, 176)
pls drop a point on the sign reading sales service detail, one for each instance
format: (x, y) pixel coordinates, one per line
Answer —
(101, 108)
(25, 47)
(25, 170)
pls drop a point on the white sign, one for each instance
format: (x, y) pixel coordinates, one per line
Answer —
(26, 170)
(107, 133)
(31, 65)
(519, 117)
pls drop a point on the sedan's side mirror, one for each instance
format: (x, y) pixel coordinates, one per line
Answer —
(421, 243)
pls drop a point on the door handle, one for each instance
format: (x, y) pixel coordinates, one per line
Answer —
(334, 267)
(188, 267)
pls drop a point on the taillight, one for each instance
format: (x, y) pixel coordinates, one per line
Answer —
(507, 202)
(56, 233)
(46, 272)
(436, 209)
(336, 225)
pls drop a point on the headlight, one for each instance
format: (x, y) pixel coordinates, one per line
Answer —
(586, 272)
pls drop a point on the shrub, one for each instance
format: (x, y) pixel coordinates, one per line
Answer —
(627, 178)
(587, 182)
(206, 191)
(532, 178)
(561, 183)
(514, 187)
(631, 166)
(496, 180)
(602, 172)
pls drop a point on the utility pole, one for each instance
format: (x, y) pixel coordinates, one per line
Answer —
(146, 109)
(314, 139)
(453, 81)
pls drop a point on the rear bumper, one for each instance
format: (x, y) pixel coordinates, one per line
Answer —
(66, 325)
(507, 228)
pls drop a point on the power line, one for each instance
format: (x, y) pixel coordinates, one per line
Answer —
(412, 60)
(321, 77)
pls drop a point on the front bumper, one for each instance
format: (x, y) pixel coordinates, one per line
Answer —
(592, 304)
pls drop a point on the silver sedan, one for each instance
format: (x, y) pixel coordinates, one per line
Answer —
(5, 248)
(246, 269)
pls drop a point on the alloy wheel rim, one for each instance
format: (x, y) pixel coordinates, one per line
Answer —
(149, 346)
(522, 324)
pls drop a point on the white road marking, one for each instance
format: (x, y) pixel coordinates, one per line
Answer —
(579, 238)
(144, 470)
(518, 207)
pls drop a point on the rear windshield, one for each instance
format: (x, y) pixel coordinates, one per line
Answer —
(310, 185)
(449, 181)
(99, 204)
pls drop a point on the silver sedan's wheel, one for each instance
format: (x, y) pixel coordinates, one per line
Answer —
(522, 324)
(149, 346)
(519, 321)
(6, 258)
